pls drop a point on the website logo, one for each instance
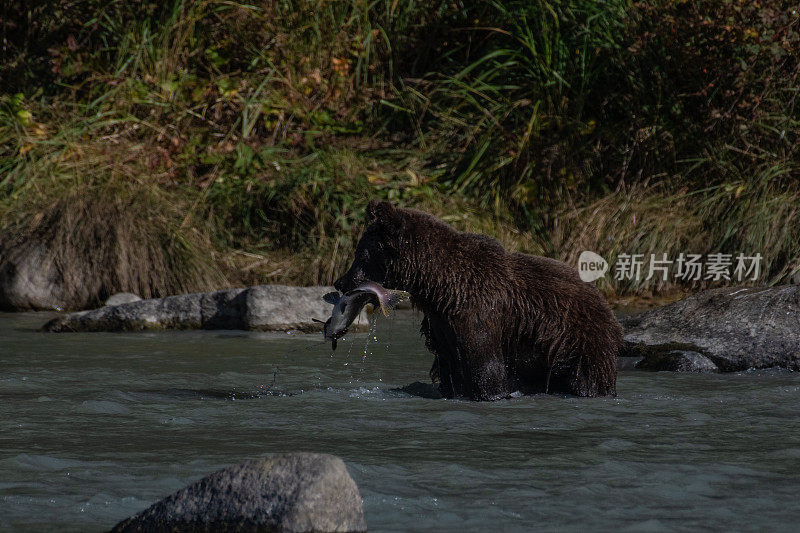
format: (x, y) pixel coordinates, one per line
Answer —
(686, 267)
(591, 266)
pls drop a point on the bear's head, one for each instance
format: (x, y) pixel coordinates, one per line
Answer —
(377, 247)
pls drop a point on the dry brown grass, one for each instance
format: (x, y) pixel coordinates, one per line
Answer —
(104, 241)
(752, 214)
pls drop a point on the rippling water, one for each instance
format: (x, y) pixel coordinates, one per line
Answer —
(95, 427)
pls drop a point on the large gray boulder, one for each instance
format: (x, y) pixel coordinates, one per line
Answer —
(291, 492)
(29, 278)
(725, 330)
(263, 307)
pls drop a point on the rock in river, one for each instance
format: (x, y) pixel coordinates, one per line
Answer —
(727, 329)
(122, 298)
(676, 361)
(291, 492)
(263, 307)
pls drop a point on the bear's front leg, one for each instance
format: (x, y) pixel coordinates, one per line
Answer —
(440, 339)
(434, 371)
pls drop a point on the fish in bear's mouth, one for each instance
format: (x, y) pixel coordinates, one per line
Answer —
(347, 306)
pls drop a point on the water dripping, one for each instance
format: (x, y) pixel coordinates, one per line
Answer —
(371, 336)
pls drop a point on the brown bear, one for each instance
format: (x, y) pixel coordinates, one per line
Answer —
(496, 321)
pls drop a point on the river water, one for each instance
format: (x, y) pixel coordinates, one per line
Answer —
(95, 427)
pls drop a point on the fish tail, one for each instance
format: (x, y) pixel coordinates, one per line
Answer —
(391, 299)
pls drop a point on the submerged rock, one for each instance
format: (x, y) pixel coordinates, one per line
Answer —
(263, 307)
(726, 329)
(676, 361)
(291, 492)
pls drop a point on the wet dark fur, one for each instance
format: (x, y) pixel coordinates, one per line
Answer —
(496, 321)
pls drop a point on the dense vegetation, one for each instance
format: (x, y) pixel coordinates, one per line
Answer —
(218, 142)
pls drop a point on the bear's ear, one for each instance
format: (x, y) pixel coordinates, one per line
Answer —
(378, 210)
(386, 217)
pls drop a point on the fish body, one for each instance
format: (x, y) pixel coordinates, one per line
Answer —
(346, 307)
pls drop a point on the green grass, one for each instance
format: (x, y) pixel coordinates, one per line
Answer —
(251, 136)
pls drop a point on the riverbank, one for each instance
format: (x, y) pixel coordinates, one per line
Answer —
(172, 148)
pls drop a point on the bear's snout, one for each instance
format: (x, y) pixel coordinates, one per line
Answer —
(344, 284)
